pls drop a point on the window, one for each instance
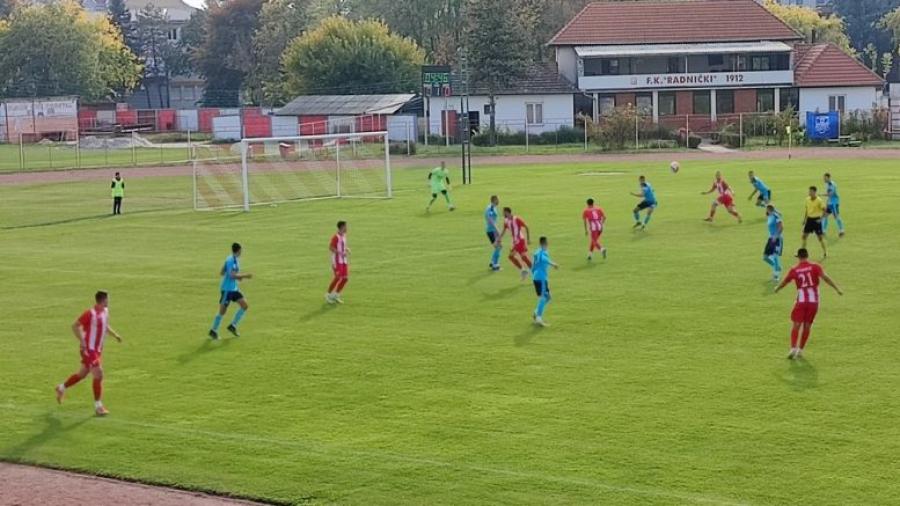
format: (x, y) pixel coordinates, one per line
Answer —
(790, 97)
(534, 114)
(740, 63)
(667, 104)
(765, 100)
(644, 103)
(607, 104)
(609, 67)
(725, 102)
(188, 93)
(176, 92)
(487, 109)
(675, 64)
(837, 103)
(172, 34)
(714, 60)
(760, 63)
(701, 102)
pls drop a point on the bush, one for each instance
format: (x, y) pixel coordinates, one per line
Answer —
(661, 144)
(569, 135)
(865, 125)
(689, 139)
(729, 136)
(399, 148)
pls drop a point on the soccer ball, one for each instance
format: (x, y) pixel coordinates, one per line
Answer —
(675, 166)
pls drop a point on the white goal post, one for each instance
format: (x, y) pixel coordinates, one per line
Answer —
(271, 170)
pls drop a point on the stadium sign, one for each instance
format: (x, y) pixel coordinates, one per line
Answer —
(694, 80)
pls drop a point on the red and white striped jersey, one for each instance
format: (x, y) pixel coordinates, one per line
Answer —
(516, 227)
(339, 250)
(722, 187)
(594, 216)
(94, 323)
(806, 276)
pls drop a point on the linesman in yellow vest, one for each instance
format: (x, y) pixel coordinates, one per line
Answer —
(118, 193)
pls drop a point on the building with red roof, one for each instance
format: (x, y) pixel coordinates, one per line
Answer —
(705, 59)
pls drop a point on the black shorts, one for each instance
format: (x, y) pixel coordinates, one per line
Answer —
(813, 226)
(226, 298)
(833, 209)
(492, 236)
(773, 247)
(542, 288)
(645, 204)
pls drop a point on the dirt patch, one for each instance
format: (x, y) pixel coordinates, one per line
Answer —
(26, 486)
(486, 160)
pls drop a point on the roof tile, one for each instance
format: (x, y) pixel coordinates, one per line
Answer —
(825, 65)
(657, 22)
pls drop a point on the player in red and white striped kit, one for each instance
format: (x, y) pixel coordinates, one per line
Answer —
(90, 329)
(339, 264)
(806, 276)
(521, 237)
(725, 198)
(594, 219)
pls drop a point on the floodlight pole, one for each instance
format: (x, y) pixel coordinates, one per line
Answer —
(465, 125)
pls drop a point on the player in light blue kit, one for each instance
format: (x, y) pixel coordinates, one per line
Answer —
(833, 207)
(764, 194)
(775, 243)
(229, 293)
(648, 202)
(542, 263)
(490, 225)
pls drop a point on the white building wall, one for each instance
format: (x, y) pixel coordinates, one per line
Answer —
(567, 63)
(558, 111)
(402, 127)
(857, 98)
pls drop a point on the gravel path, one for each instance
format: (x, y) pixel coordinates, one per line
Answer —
(26, 486)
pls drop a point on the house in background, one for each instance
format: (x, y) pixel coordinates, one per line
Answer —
(178, 92)
(541, 101)
(705, 60)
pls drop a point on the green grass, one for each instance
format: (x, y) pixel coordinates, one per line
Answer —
(661, 381)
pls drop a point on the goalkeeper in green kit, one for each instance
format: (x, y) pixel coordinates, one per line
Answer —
(439, 179)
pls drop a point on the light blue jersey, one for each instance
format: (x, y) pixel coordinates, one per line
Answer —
(490, 218)
(760, 186)
(772, 221)
(833, 197)
(229, 284)
(541, 265)
(649, 196)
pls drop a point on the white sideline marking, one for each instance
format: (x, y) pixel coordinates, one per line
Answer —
(323, 449)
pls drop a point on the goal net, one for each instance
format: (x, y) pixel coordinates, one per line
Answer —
(283, 169)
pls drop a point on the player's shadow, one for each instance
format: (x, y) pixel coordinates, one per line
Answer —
(769, 287)
(587, 265)
(60, 222)
(325, 308)
(53, 428)
(800, 375)
(504, 293)
(479, 277)
(639, 235)
(524, 339)
(207, 346)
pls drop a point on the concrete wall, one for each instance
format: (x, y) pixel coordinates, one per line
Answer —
(558, 110)
(858, 98)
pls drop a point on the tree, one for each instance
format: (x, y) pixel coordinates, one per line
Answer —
(158, 54)
(226, 55)
(56, 49)
(812, 25)
(861, 17)
(891, 23)
(120, 16)
(871, 57)
(6, 7)
(281, 21)
(341, 56)
(436, 25)
(497, 47)
(887, 64)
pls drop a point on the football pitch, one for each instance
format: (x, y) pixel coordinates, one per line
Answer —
(661, 380)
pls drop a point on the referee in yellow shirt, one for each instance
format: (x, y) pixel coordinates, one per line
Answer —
(812, 218)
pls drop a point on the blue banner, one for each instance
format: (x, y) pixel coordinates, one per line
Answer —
(821, 126)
